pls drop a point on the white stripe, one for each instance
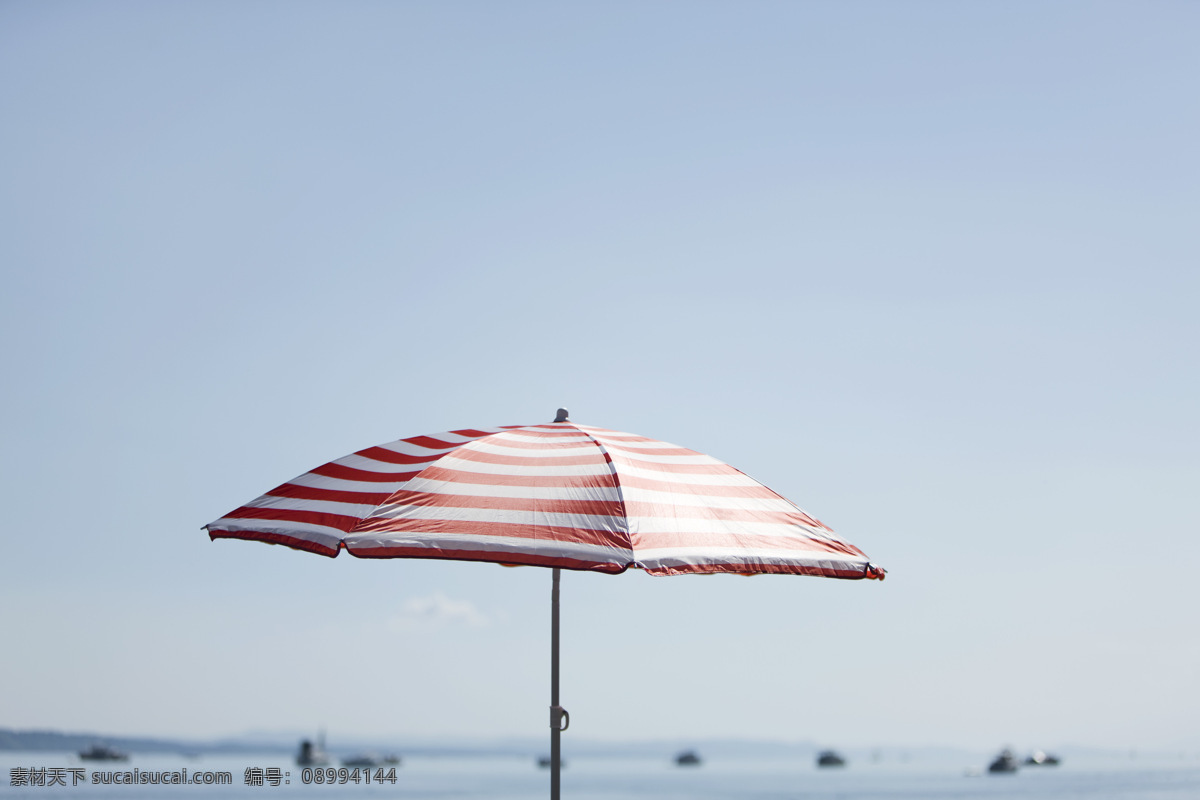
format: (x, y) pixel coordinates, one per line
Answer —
(682, 526)
(699, 458)
(617, 439)
(587, 522)
(356, 510)
(600, 493)
(495, 544)
(319, 534)
(548, 470)
(731, 478)
(693, 500)
(605, 433)
(453, 440)
(640, 444)
(623, 437)
(383, 467)
(666, 556)
(342, 485)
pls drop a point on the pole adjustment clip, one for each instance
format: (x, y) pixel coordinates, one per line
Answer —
(560, 720)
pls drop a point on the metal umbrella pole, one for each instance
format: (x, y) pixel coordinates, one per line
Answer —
(559, 718)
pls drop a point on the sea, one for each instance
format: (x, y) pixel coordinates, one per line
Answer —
(62, 775)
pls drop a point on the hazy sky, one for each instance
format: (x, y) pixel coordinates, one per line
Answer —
(929, 269)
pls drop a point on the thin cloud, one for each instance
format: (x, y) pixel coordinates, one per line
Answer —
(438, 611)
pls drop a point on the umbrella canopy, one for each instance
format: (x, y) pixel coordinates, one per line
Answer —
(558, 495)
(553, 495)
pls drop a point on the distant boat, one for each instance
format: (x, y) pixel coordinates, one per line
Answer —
(102, 752)
(1004, 763)
(688, 758)
(1040, 759)
(830, 758)
(312, 755)
(545, 761)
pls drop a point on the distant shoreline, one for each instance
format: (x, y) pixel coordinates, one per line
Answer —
(50, 741)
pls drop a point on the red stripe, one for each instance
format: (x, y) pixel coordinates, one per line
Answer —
(474, 434)
(549, 459)
(344, 473)
(503, 558)
(607, 508)
(523, 443)
(330, 495)
(550, 432)
(275, 538)
(548, 435)
(817, 522)
(604, 435)
(392, 457)
(742, 569)
(432, 528)
(339, 521)
(601, 481)
(432, 443)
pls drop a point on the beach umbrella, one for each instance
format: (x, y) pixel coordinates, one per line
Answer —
(558, 495)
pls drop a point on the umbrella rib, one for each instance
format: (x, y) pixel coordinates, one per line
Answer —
(616, 482)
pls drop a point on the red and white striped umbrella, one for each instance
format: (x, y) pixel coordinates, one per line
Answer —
(552, 495)
(557, 495)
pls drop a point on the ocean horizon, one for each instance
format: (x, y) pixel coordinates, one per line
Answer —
(285, 742)
(598, 777)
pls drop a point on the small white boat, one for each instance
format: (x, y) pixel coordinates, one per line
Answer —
(1040, 759)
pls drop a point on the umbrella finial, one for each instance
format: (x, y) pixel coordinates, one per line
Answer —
(562, 415)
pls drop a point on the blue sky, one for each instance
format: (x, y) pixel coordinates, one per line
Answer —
(928, 269)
